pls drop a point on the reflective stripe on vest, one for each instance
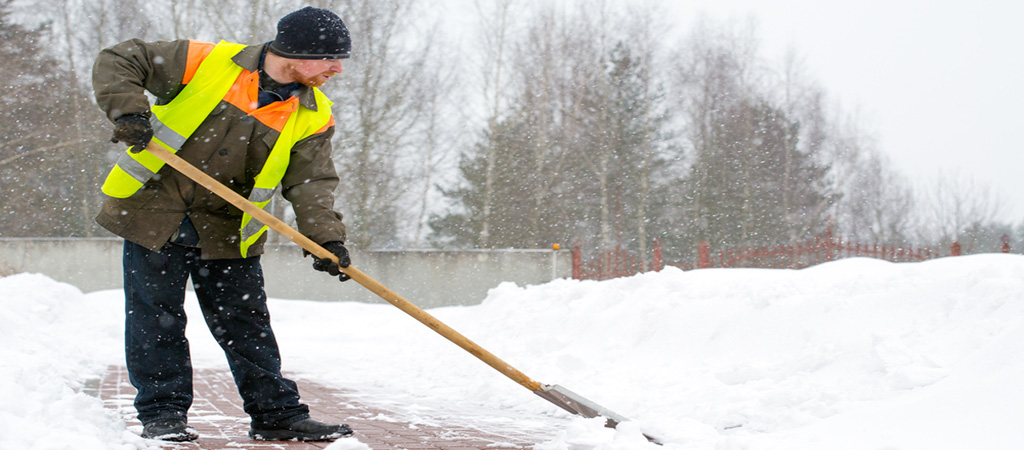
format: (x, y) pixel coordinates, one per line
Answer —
(174, 122)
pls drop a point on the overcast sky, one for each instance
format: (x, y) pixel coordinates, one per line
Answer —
(938, 82)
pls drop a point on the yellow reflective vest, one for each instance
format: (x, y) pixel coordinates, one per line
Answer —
(217, 78)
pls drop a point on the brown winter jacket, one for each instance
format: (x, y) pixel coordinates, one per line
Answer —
(229, 145)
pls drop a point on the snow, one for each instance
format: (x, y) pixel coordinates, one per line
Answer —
(853, 354)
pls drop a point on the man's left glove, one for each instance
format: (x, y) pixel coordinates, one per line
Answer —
(326, 265)
(134, 130)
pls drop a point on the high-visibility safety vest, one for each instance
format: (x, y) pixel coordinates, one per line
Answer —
(219, 78)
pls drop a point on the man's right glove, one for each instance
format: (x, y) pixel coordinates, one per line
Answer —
(326, 265)
(134, 130)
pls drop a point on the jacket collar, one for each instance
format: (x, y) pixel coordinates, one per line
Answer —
(249, 59)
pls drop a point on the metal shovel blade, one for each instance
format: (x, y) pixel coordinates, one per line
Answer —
(577, 404)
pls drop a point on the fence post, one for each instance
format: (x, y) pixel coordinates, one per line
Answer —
(656, 262)
(829, 245)
(703, 255)
(954, 249)
(577, 263)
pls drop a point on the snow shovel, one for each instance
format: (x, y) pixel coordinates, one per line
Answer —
(558, 395)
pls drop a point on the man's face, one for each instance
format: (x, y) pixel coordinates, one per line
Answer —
(313, 72)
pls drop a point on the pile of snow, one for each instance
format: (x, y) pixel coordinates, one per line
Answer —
(854, 354)
(54, 340)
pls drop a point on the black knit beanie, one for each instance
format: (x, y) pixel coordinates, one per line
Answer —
(311, 33)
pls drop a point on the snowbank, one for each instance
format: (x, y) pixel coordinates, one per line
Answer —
(854, 354)
(54, 341)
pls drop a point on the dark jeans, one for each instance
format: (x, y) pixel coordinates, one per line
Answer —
(234, 304)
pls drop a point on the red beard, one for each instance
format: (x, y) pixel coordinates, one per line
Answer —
(316, 80)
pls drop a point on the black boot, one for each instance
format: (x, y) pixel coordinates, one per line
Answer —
(173, 429)
(303, 430)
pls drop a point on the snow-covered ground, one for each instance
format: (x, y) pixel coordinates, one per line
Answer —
(855, 354)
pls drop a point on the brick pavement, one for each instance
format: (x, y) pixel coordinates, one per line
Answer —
(217, 415)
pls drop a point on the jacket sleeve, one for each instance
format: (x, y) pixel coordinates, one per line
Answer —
(122, 75)
(309, 185)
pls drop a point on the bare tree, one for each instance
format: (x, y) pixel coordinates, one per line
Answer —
(241, 21)
(380, 109)
(712, 74)
(957, 207)
(644, 33)
(48, 151)
(801, 100)
(441, 117)
(495, 23)
(879, 206)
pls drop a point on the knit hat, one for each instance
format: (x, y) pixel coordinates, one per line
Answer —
(311, 33)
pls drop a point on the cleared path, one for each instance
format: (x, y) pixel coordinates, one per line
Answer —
(218, 417)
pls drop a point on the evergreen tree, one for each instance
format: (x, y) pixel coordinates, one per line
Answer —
(526, 212)
(625, 151)
(571, 162)
(757, 187)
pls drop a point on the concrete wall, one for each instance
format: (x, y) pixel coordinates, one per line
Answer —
(427, 278)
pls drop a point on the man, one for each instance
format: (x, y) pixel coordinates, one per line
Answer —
(252, 118)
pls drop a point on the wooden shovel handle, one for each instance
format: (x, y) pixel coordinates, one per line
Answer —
(382, 291)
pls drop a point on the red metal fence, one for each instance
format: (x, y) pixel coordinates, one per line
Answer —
(614, 263)
(620, 263)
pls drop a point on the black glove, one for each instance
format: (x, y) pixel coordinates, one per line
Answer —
(326, 265)
(134, 130)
